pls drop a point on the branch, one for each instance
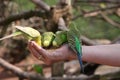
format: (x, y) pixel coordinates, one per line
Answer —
(87, 41)
(98, 1)
(22, 15)
(41, 4)
(93, 77)
(118, 12)
(32, 76)
(110, 20)
(95, 12)
(68, 2)
(27, 14)
(19, 72)
(61, 24)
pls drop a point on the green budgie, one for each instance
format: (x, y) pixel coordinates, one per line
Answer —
(47, 38)
(73, 36)
(60, 38)
(28, 32)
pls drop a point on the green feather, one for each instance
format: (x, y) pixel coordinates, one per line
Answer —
(16, 33)
(60, 38)
(78, 45)
(28, 33)
(73, 37)
(47, 38)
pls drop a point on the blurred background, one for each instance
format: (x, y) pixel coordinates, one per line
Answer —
(99, 22)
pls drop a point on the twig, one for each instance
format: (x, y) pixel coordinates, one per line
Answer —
(110, 20)
(118, 12)
(95, 12)
(22, 15)
(92, 77)
(41, 4)
(68, 2)
(34, 76)
(87, 41)
(98, 1)
(61, 24)
(19, 72)
(27, 14)
(31, 13)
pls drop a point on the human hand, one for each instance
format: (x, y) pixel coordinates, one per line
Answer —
(62, 53)
(39, 52)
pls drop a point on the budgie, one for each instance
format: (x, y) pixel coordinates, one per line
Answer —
(28, 32)
(47, 38)
(60, 38)
(73, 37)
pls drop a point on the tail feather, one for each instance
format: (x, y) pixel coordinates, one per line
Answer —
(11, 35)
(80, 62)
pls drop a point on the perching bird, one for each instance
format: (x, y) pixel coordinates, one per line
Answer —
(73, 37)
(28, 32)
(60, 38)
(47, 38)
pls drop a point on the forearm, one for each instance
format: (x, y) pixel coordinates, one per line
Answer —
(102, 54)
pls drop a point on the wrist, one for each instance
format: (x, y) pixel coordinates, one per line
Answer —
(70, 54)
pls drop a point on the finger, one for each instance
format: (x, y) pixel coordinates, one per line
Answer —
(29, 45)
(39, 49)
(34, 52)
(31, 49)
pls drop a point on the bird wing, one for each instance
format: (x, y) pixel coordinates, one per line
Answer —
(28, 31)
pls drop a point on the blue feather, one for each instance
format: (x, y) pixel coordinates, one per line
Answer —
(73, 36)
(80, 61)
(79, 52)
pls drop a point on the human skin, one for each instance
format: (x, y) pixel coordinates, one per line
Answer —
(101, 54)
